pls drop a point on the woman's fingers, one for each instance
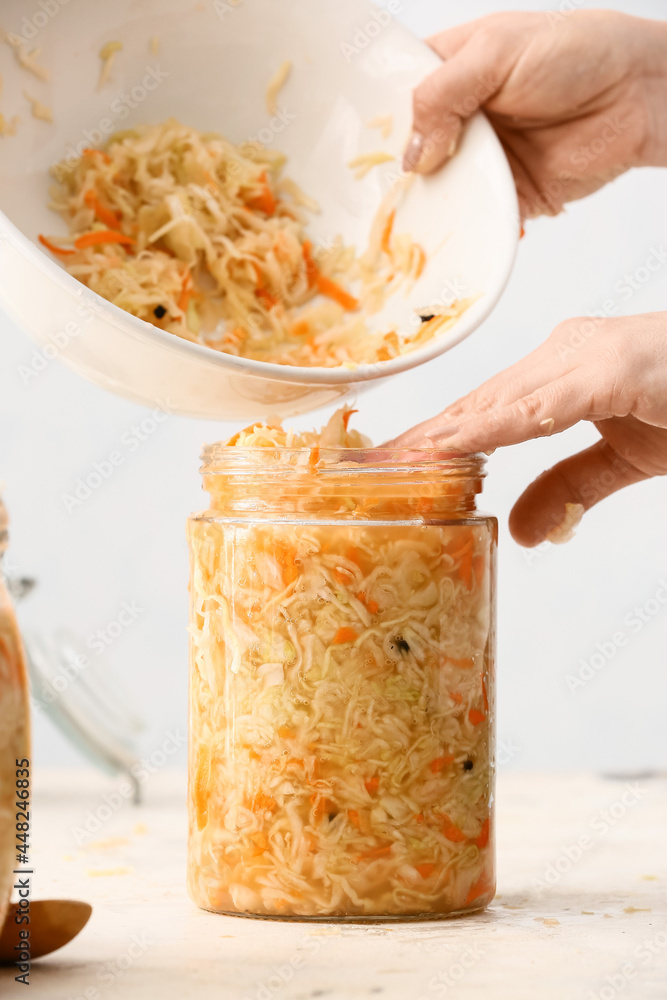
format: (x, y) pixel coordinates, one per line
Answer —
(447, 43)
(451, 95)
(552, 408)
(582, 480)
(541, 366)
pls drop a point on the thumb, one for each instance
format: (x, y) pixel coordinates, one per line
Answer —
(555, 502)
(449, 97)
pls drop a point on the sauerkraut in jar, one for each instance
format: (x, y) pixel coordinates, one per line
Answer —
(341, 706)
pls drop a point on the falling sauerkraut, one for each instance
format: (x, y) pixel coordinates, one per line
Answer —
(207, 241)
(341, 667)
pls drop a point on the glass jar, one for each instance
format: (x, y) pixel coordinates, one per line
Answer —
(342, 695)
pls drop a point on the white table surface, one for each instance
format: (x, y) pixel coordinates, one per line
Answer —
(597, 929)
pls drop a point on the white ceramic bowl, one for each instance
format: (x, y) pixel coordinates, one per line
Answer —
(351, 63)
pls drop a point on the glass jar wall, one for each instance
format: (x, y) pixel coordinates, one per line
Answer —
(342, 696)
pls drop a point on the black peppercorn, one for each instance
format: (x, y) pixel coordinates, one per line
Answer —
(159, 311)
(467, 765)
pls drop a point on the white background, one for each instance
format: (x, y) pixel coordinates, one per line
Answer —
(126, 543)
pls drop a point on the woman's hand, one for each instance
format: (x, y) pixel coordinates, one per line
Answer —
(612, 372)
(575, 98)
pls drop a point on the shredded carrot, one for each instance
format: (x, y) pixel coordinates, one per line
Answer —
(266, 298)
(100, 236)
(482, 839)
(522, 232)
(97, 152)
(466, 663)
(103, 213)
(440, 762)
(301, 328)
(353, 816)
(375, 852)
(309, 261)
(371, 606)
(344, 634)
(261, 802)
(286, 558)
(200, 785)
(476, 716)
(451, 831)
(286, 733)
(260, 840)
(354, 555)
(479, 888)
(426, 869)
(347, 416)
(386, 233)
(418, 817)
(314, 458)
(265, 201)
(372, 785)
(456, 697)
(60, 251)
(333, 291)
(421, 261)
(186, 293)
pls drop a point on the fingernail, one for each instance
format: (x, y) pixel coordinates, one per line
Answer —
(564, 530)
(441, 436)
(414, 152)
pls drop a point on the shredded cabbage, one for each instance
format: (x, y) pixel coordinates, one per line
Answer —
(341, 711)
(207, 241)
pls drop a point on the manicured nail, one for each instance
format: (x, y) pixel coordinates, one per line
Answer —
(414, 152)
(548, 425)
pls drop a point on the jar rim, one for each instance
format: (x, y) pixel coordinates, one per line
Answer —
(226, 459)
